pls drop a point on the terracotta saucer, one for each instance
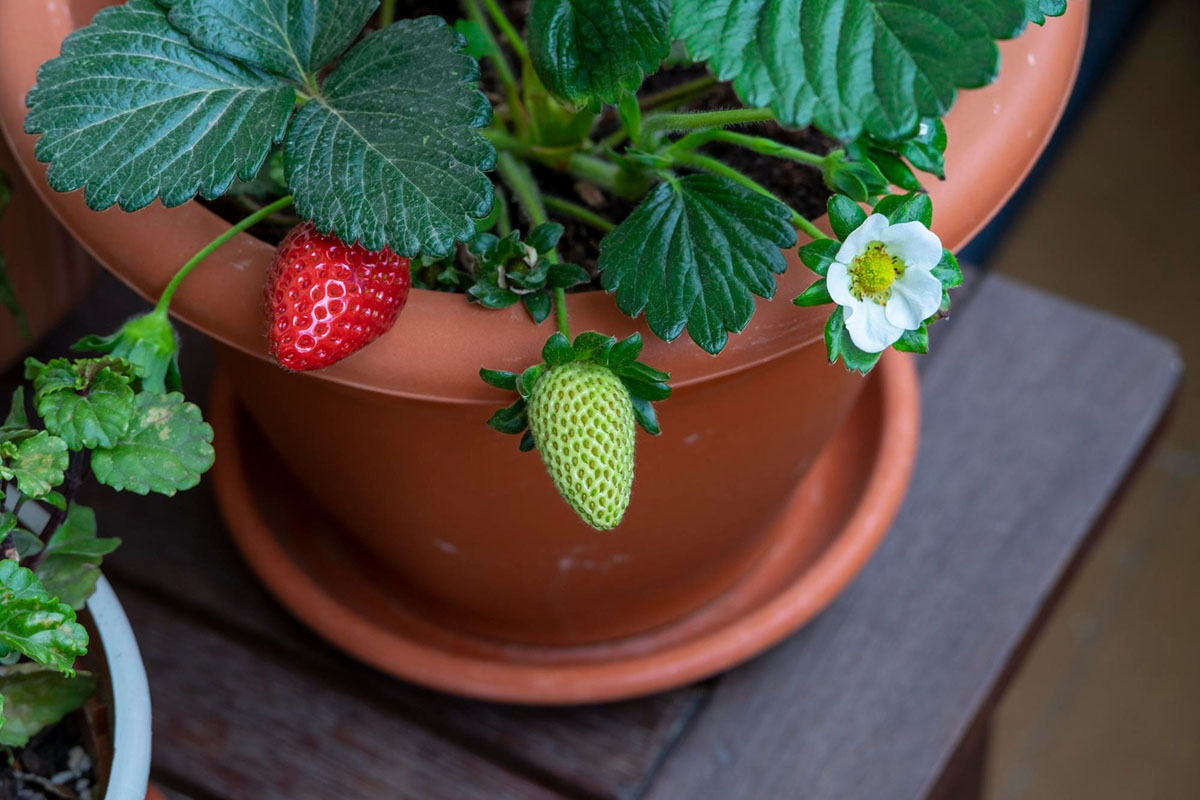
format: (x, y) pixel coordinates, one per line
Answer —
(838, 515)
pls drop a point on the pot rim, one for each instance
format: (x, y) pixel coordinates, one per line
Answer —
(131, 722)
(439, 343)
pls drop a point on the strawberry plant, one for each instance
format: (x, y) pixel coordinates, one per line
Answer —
(447, 148)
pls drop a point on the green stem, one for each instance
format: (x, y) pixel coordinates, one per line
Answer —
(667, 98)
(504, 223)
(164, 301)
(679, 94)
(759, 144)
(612, 140)
(560, 312)
(683, 121)
(602, 173)
(630, 114)
(520, 181)
(387, 13)
(507, 30)
(718, 168)
(508, 79)
(567, 208)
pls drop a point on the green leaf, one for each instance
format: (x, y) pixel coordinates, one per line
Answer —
(27, 542)
(36, 698)
(527, 442)
(36, 462)
(912, 207)
(594, 347)
(1038, 10)
(647, 418)
(36, 624)
(845, 216)
(539, 305)
(564, 276)
(292, 38)
(693, 254)
(76, 536)
(558, 351)
(97, 418)
(947, 271)
(818, 255)
(54, 499)
(626, 351)
(850, 65)
(646, 390)
(511, 419)
(131, 111)
(479, 43)
(815, 295)
(914, 341)
(860, 179)
(167, 448)
(499, 378)
(493, 296)
(149, 343)
(71, 563)
(544, 237)
(895, 170)
(528, 378)
(642, 372)
(592, 51)
(839, 345)
(18, 418)
(925, 150)
(388, 153)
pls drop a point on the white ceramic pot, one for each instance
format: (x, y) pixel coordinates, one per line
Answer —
(131, 728)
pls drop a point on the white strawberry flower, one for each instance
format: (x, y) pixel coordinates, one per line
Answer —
(883, 277)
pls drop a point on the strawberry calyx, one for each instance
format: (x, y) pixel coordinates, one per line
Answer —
(646, 384)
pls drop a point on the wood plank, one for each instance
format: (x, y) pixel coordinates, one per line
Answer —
(177, 549)
(240, 726)
(1034, 410)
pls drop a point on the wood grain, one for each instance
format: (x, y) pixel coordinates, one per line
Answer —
(241, 726)
(177, 549)
(1034, 410)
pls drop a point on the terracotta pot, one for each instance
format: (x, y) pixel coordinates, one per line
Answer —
(48, 270)
(392, 441)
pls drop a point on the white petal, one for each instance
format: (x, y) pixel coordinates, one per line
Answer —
(869, 328)
(914, 244)
(916, 295)
(837, 280)
(856, 243)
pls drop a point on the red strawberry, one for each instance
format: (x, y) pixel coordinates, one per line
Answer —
(326, 300)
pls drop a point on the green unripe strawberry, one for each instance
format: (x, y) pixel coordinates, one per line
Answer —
(582, 420)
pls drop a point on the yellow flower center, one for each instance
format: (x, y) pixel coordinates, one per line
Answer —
(873, 273)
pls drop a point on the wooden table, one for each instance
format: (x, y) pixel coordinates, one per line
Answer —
(1035, 412)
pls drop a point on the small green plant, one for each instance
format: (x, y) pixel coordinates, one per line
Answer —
(115, 417)
(385, 140)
